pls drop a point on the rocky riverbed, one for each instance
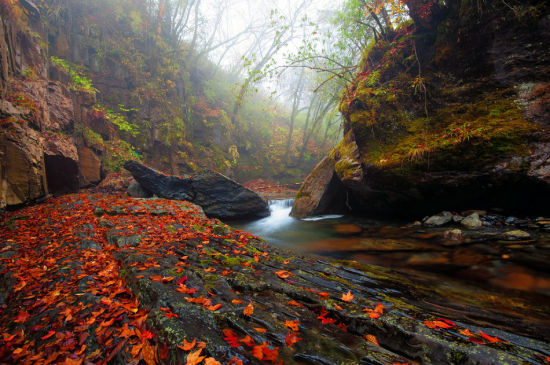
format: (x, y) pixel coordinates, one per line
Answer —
(95, 279)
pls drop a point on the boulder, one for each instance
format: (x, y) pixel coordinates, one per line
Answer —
(136, 191)
(472, 221)
(219, 196)
(439, 219)
(321, 192)
(516, 235)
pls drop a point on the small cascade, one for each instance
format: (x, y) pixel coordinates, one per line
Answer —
(275, 205)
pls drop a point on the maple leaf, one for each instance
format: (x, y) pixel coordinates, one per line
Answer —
(247, 340)
(293, 325)
(181, 280)
(249, 309)
(372, 339)
(291, 338)
(438, 324)
(236, 301)
(348, 297)
(211, 361)
(491, 339)
(194, 358)
(213, 307)
(258, 351)
(323, 295)
(235, 361)
(22, 317)
(188, 345)
(231, 338)
(149, 353)
(466, 332)
(283, 274)
(295, 303)
(50, 334)
(379, 308)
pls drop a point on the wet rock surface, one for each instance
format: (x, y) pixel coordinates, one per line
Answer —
(219, 196)
(192, 277)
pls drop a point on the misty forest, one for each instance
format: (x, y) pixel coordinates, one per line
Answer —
(306, 182)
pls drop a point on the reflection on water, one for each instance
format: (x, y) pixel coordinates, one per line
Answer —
(485, 263)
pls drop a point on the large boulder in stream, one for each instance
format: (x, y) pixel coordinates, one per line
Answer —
(219, 196)
(472, 132)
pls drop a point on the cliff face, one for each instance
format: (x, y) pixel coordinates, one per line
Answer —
(451, 116)
(46, 124)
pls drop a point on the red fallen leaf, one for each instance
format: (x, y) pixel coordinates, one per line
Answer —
(225, 272)
(336, 306)
(379, 308)
(374, 315)
(231, 338)
(323, 295)
(247, 341)
(293, 325)
(50, 334)
(249, 309)
(291, 338)
(270, 354)
(145, 335)
(372, 339)
(188, 345)
(260, 330)
(8, 337)
(236, 301)
(466, 332)
(348, 297)
(22, 317)
(283, 274)
(182, 280)
(194, 358)
(210, 269)
(235, 361)
(201, 345)
(491, 339)
(286, 262)
(437, 324)
(343, 327)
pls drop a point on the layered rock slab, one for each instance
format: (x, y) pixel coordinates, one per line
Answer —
(219, 196)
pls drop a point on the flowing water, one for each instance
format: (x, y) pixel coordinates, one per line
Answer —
(503, 271)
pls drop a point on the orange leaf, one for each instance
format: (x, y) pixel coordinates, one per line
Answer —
(149, 353)
(247, 340)
(194, 358)
(235, 361)
(248, 310)
(372, 339)
(231, 338)
(491, 339)
(188, 345)
(293, 302)
(374, 315)
(291, 338)
(258, 351)
(379, 308)
(437, 324)
(347, 297)
(213, 307)
(293, 325)
(50, 334)
(283, 274)
(260, 330)
(210, 269)
(466, 332)
(236, 301)
(211, 361)
(338, 307)
(323, 295)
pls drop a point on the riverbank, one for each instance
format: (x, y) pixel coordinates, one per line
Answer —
(102, 278)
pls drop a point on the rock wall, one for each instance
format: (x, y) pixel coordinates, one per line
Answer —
(451, 116)
(42, 150)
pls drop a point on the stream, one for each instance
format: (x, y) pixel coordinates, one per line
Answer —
(508, 276)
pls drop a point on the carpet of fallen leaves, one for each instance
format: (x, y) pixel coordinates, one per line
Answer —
(65, 298)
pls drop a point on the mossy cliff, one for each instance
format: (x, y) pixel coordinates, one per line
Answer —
(452, 115)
